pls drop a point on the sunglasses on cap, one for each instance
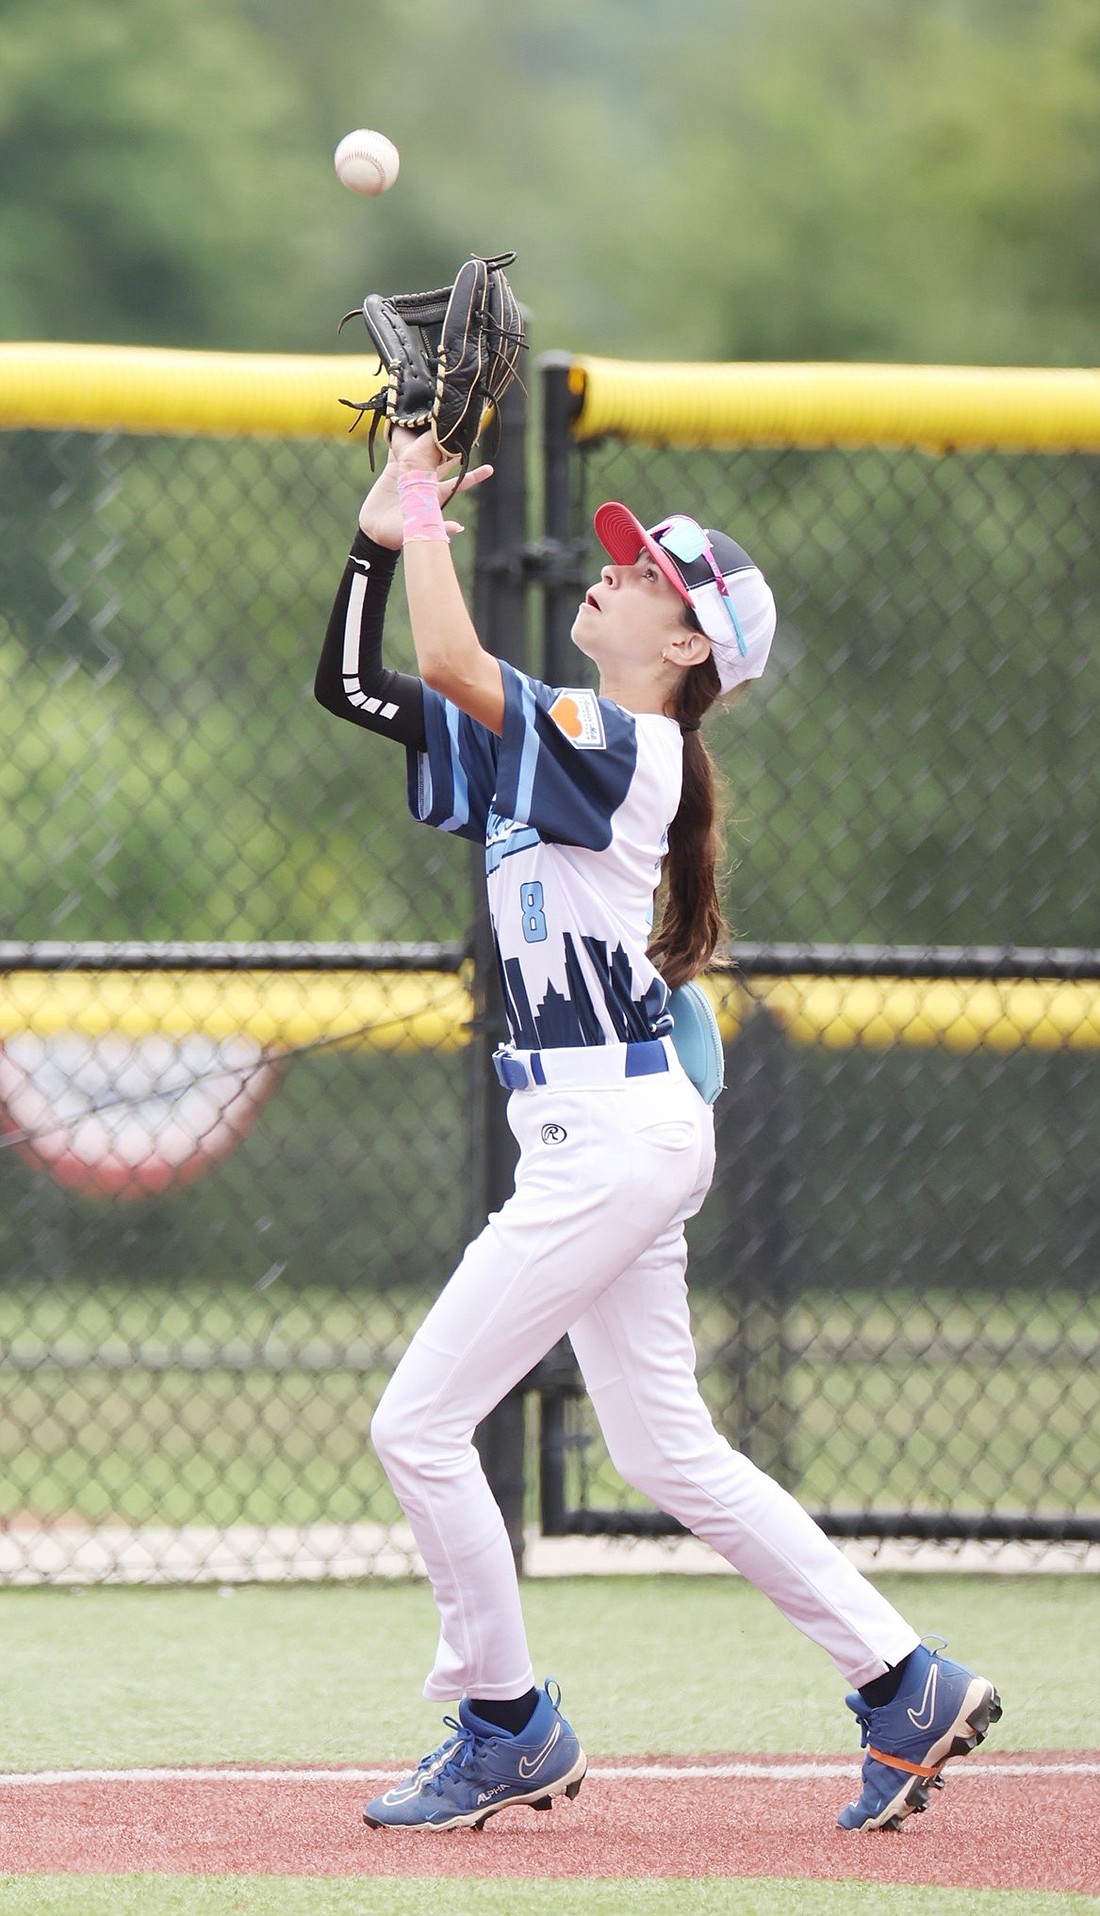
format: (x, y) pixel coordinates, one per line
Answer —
(686, 543)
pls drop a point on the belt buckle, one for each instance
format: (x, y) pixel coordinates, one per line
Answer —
(511, 1071)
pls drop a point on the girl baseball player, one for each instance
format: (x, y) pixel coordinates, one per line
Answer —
(584, 801)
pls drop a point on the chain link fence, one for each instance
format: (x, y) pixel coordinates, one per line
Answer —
(244, 1123)
(234, 1154)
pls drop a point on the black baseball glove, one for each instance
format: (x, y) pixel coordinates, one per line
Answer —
(449, 355)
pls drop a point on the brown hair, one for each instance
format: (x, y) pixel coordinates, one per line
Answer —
(692, 921)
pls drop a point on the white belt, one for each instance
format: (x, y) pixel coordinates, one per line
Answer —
(575, 1066)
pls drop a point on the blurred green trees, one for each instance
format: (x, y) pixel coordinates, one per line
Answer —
(726, 179)
(154, 173)
(732, 178)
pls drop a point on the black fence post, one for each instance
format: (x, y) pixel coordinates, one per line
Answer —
(562, 569)
(500, 608)
(557, 1381)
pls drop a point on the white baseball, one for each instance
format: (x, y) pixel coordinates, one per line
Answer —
(366, 162)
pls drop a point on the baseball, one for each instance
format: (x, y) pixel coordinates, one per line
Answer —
(366, 162)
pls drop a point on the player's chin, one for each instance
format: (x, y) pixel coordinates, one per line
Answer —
(583, 625)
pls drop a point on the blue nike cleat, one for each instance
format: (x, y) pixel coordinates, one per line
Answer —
(941, 1710)
(483, 1769)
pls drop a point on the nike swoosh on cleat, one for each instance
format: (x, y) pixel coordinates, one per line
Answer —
(923, 1718)
(530, 1765)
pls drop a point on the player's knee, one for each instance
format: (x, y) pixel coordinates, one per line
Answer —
(411, 1441)
(651, 1482)
(391, 1431)
(643, 1473)
(668, 1473)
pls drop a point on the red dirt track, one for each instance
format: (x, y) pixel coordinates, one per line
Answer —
(1014, 1822)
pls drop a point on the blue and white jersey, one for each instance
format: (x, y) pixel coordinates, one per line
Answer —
(572, 803)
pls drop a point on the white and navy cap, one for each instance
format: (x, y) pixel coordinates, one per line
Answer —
(728, 594)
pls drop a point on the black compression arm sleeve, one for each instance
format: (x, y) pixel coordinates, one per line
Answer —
(351, 679)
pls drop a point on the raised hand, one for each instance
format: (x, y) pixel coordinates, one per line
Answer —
(380, 514)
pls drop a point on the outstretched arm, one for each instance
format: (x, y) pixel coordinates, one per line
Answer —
(450, 655)
(351, 679)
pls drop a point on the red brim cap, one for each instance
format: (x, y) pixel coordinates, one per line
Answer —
(623, 536)
(726, 591)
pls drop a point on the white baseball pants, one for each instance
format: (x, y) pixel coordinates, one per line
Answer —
(592, 1243)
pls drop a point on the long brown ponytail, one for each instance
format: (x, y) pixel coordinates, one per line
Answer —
(691, 920)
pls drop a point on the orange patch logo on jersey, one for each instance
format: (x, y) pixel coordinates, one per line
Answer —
(578, 715)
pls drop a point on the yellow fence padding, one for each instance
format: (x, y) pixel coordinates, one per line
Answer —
(959, 1014)
(936, 408)
(281, 1011)
(147, 389)
(412, 1011)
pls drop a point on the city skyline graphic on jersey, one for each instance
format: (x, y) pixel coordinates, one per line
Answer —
(570, 1017)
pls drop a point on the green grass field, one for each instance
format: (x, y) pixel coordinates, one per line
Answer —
(117, 1678)
(120, 1678)
(394, 1896)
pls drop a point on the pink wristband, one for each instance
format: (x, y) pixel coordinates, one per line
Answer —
(420, 507)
